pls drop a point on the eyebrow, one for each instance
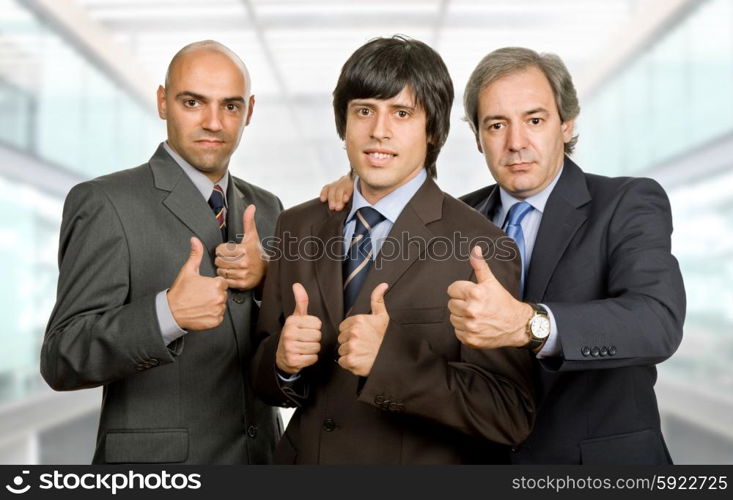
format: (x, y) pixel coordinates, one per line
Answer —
(188, 93)
(357, 102)
(533, 111)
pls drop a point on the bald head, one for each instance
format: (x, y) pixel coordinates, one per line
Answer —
(206, 104)
(208, 46)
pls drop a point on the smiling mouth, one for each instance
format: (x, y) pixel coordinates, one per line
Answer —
(378, 155)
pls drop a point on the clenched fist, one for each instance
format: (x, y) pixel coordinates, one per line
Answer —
(361, 335)
(242, 265)
(197, 302)
(300, 338)
(484, 314)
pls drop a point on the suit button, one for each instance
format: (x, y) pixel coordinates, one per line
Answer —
(154, 362)
(379, 400)
(252, 431)
(329, 425)
(514, 449)
(604, 351)
(612, 350)
(595, 351)
(394, 407)
(239, 297)
(585, 351)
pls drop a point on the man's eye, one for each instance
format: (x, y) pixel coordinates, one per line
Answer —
(363, 111)
(496, 126)
(402, 113)
(190, 103)
(535, 121)
(232, 107)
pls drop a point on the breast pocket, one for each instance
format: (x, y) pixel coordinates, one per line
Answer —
(429, 325)
(418, 315)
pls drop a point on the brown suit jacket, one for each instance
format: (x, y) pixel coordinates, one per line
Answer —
(428, 399)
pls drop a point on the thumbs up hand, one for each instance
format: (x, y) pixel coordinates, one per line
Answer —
(300, 338)
(361, 335)
(197, 302)
(242, 264)
(483, 314)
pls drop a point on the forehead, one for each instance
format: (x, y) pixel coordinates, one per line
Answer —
(517, 92)
(405, 97)
(207, 72)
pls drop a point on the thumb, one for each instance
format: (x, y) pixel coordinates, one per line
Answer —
(248, 223)
(194, 259)
(480, 267)
(377, 299)
(301, 300)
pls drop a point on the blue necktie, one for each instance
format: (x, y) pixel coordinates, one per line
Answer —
(513, 229)
(359, 255)
(218, 206)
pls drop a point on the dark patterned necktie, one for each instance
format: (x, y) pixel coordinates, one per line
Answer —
(218, 205)
(359, 255)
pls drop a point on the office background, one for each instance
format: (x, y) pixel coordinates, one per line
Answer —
(77, 86)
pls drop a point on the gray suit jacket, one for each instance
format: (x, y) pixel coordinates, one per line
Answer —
(123, 239)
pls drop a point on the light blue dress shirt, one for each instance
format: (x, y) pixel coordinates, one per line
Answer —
(530, 226)
(169, 329)
(390, 207)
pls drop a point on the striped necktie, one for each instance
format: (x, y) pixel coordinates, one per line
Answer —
(359, 256)
(513, 229)
(218, 206)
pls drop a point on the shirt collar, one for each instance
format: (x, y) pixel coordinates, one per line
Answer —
(391, 205)
(203, 184)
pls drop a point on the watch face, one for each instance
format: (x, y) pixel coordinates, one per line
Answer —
(540, 326)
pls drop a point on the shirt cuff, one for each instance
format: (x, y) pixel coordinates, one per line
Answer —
(287, 377)
(169, 329)
(552, 345)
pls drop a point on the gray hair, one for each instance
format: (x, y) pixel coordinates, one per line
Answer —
(215, 46)
(502, 62)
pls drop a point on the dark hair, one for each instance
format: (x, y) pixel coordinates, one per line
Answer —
(382, 67)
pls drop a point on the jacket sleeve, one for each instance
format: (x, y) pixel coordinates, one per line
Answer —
(95, 335)
(267, 385)
(640, 323)
(486, 393)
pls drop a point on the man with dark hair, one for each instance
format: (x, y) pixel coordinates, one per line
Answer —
(360, 342)
(603, 298)
(159, 265)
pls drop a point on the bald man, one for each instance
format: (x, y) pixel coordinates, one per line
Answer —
(159, 266)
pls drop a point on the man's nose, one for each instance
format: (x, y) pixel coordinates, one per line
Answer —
(212, 119)
(517, 137)
(381, 126)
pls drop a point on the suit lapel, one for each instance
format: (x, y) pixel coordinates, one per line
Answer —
(563, 216)
(184, 200)
(425, 207)
(235, 208)
(328, 269)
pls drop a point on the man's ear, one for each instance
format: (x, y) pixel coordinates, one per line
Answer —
(567, 128)
(250, 109)
(161, 102)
